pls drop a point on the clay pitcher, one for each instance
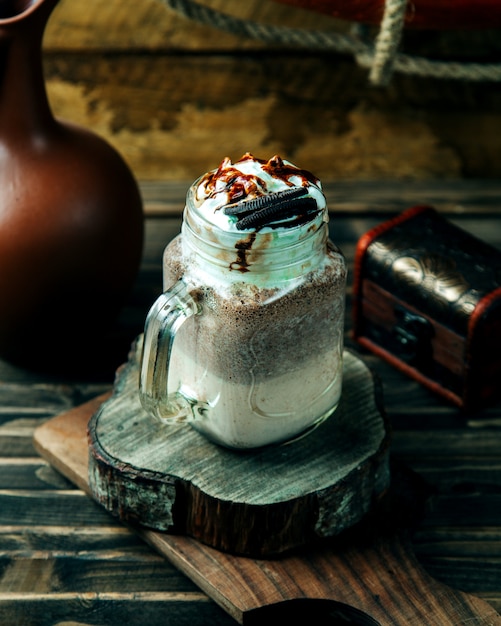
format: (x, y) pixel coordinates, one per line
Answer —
(71, 222)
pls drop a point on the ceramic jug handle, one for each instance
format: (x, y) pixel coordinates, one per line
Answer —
(164, 319)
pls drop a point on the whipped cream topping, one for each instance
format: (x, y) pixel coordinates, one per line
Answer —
(254, 194)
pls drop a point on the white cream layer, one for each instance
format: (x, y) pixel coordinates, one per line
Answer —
(275, 409)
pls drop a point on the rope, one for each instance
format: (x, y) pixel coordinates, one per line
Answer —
(387, 41)
(382, 59)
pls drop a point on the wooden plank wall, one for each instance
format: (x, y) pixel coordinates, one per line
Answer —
(175, 97)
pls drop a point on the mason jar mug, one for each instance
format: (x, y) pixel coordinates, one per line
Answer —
(246, 342)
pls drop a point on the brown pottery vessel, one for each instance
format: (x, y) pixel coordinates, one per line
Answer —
(71, 220)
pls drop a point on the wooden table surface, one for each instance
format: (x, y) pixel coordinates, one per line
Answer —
(64, 560)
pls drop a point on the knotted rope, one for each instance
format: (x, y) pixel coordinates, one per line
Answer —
(381, 58)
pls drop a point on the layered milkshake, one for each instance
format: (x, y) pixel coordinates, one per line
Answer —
(257, 359)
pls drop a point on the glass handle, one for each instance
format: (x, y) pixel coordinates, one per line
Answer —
(163, 321)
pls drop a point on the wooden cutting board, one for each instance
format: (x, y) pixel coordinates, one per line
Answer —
(367, 575)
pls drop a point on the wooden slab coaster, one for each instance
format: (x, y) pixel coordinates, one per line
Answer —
(370, 578)
(256, 503)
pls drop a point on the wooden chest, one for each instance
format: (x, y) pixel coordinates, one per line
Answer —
(427, 299)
